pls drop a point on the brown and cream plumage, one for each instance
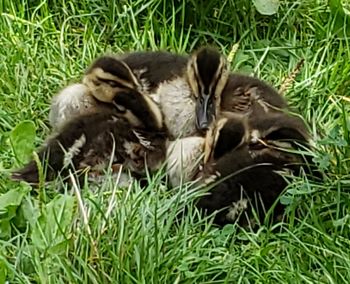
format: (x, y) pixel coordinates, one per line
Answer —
(97, 139)
(248, 176)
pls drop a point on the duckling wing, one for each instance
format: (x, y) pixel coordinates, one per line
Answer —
(242, 91)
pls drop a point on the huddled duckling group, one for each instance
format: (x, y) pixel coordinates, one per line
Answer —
(230, 132)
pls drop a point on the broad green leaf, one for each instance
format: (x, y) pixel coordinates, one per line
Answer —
(286, 199)
(22, 140)
(266, 7)
(9, 203)
(58, 248)
(5, 229)
(3, 271)
(340, 10)
(12, 199)
(50, 231)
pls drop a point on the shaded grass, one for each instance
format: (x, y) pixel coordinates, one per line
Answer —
(45, 45)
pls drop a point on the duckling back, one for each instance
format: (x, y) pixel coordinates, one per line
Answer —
(154, 67)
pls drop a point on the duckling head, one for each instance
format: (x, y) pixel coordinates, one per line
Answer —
(108, 76)
(112, 81)
(139, 110)
(277, 128)
(207, 76)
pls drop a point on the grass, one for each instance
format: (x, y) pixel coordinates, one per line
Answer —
(133, 235)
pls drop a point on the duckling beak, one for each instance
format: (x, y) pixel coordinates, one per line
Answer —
(204, 112)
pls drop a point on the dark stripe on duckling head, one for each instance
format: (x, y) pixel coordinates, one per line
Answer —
(113, 66)
(109, 69)
(142, 107)
(208, 63)
(112, 83)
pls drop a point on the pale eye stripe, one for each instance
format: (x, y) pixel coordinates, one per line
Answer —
(113, 83)
(215, 82)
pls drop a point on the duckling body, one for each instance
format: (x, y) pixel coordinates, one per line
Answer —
(253, 182)
(111, 140)
(251, 170)
(120, 135)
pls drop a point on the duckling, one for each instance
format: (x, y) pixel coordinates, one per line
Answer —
(226, 92)
(81, 146)
(103, 80)
(207, 91)
(92, 140)
(248, 176)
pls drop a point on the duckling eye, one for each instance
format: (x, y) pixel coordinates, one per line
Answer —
(112, 83)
